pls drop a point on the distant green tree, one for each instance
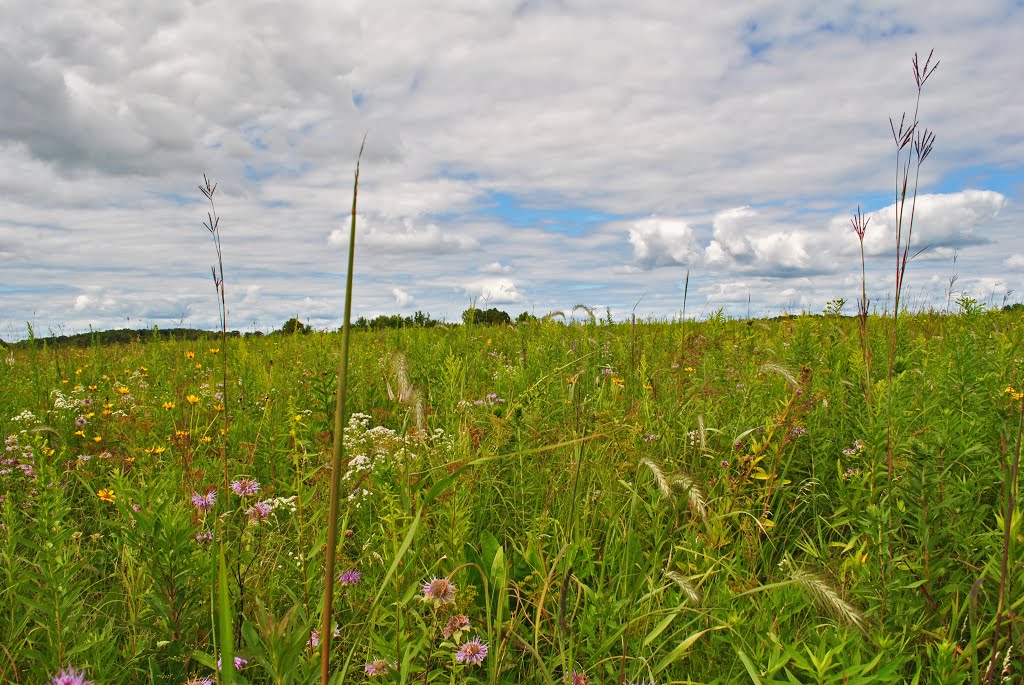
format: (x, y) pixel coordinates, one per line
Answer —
(526, 317)
(293, 325)
(486, 317)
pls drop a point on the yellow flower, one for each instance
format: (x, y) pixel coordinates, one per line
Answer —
(214, 350)
(688, 369)
(107, 378)
(129, 459)
(123, 390)
(97, 439)
(168, 405)
(78, 372)
(219, 407)
(488, 341)
(92, 387)
(90, 415)
(199, 366)
(570, 380)
(648, 386)
(206, 439)
(190, 355)
(181, 434)
(155, 450)
(81, 433)
(617, 381)
(64, 381)
(106, 412)
(106, 495)
(192, 399)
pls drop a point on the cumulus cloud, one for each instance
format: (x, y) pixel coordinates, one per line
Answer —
(403, 236)
(402, 297)
(746, 241)
(663, 242)
(949, 220)
(491, 291)
(495, 268)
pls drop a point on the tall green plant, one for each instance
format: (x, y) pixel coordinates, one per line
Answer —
(339, 427)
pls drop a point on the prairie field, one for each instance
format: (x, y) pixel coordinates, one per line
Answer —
(722, 501)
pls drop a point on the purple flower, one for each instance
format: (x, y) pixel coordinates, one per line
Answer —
(849, 451)
(259, 511)
(205, 536)
(724, 464)
(314, 639)
(199, 681)
(350, 577)
(245, 486)
(438, 591)
(579, 678)
(379, 667)
(204, 502)
(69, 676)
(472, 653)
(858, 445)
(797, 430)
(650, 437)
(81, 421)
(240, 663)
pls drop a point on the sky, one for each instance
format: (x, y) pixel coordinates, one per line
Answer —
(529, 156)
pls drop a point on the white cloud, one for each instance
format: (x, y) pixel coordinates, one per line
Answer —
(492, 291)
(402, 297)
(495, 268)
(663, 242)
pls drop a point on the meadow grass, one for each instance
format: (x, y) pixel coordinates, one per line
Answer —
(600, 504)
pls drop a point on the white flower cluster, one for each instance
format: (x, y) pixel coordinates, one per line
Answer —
(24, 417)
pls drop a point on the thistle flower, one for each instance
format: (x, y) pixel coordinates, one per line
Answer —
(438, 591)
(350, 577)
(70, 676)
(579, 678)
(379, 667)
(259, 511)
(240, 663)
(205, 502)
(472, 653)
(245, 486)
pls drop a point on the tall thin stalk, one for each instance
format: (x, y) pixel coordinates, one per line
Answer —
(213, 226)
(339, 427)
(860, 226)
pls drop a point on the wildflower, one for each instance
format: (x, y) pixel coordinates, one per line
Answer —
(81, 421)
(205, 502)
(168, 405)
(106, 495)
(259, 511)
(199, 681)
(858, 445)
(207, 439)
(849, 451)
(190, 355)
(245, 486)
(97, 439)
(192, 399)
(650, 437)
(456, 625)
(204, 537)
(80, 433)
(724, 464)
(579, 678)
(350, 577)
(797, 430)
(314, 639)
(214, 350)
(688, 369)
(379, 667)
(240, 663)
(69, 676)
(439, 591)
(473, 653)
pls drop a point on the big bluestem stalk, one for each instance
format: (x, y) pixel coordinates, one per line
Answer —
(213, 226)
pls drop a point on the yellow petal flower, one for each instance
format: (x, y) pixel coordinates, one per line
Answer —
(192, 399)
(106, 495)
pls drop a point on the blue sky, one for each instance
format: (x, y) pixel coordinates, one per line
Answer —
(529, 156)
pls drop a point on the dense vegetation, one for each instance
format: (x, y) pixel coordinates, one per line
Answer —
(703, 502)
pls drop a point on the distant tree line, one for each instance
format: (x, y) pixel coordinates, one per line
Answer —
(123, 336)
